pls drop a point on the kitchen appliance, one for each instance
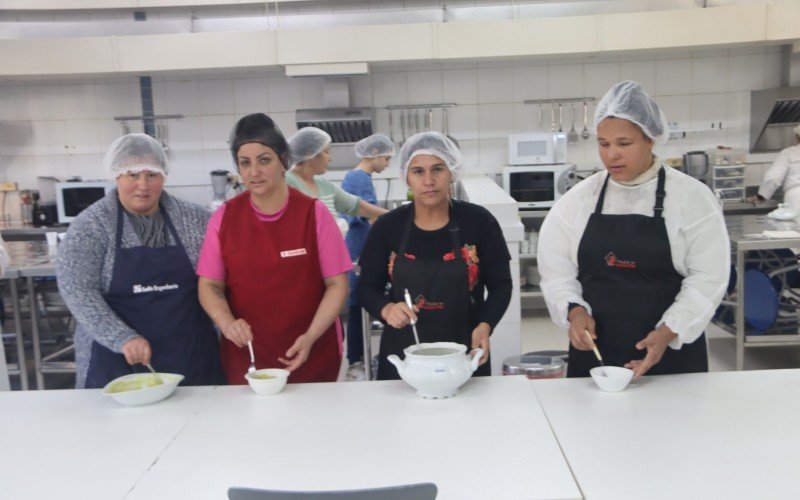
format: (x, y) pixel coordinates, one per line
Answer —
(73, 198)
(219, 185)
(536, 187)
(695, 163)
(537, 148)
(773, 115)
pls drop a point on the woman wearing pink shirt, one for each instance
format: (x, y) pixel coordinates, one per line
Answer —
(273, 267)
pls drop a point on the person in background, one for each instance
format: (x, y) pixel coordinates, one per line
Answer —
(637, 255)
(449, 254)
(273, 267)
(374, 153)
(126, 270)
(784, 172)
(310, 156)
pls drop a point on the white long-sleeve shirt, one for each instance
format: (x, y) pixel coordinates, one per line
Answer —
(785, 170)
(697, 234)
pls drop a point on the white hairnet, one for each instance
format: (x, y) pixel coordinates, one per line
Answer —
(374, 146)
(796, 130)
(629, 101)
(307, 143)
(135, 153)
(431, 143)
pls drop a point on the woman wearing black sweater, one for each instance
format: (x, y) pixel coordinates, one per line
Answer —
(447, 253)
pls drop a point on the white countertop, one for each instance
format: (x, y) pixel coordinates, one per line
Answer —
(716, 435)
(490, 441)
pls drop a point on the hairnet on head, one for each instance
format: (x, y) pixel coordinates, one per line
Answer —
(431, 143)
(629, 101)
(307, 143)
(135, 153)
(259, 128)
(374, 146)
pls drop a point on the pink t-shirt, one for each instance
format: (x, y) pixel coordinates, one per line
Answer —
(333, 256)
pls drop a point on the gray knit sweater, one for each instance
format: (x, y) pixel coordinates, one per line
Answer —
(86, 261)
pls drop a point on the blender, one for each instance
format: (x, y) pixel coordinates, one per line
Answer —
(219, 185)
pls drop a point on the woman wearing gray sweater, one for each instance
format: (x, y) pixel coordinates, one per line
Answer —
(126, 270)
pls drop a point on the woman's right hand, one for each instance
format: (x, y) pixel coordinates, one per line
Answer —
(137, 350)
(580, 322)
(238, 331)
(398, 315)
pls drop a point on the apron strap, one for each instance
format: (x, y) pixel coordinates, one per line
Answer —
(452, 227)
(167, 221)
(658, 208)
(599, 207)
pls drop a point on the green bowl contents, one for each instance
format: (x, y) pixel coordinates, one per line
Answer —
(262, 376)
(147, 380)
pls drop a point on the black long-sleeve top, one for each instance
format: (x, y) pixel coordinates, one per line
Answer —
(476, 227)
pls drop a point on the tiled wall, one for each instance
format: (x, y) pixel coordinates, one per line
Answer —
(63, 128)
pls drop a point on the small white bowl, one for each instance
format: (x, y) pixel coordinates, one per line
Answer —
(145, 395)
(615, 378)
(267, 386)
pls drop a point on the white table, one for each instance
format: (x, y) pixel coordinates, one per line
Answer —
(490, 441)
(715, 435)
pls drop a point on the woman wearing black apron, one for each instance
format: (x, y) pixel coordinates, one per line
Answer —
(446, 253)
(126, 271)
(637, 256)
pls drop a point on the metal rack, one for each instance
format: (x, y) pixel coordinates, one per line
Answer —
(411, 120)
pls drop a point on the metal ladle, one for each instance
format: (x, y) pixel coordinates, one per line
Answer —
(572, 137)
(410, 305)
(585, 131)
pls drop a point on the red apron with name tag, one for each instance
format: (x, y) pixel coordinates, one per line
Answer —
(274, 282)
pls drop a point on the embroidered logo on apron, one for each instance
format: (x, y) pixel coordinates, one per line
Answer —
(613, 261)
(293, 253)
(154, 288)
(423, 304)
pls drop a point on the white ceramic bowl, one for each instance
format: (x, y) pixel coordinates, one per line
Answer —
(268, 386)
(438, 375)
(145, 395)
(615, 378)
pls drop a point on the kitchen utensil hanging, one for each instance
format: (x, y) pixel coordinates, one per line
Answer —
(416, 118)
(585, 131)
(391, 125)
(572, 137)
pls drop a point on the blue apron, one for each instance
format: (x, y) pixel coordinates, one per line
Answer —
(154, 291)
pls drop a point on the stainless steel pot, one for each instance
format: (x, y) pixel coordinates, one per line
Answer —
(695, 163)
(535, 366)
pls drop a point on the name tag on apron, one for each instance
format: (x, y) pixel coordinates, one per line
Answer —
(293, 253)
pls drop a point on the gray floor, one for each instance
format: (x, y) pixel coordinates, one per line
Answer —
(539, 333)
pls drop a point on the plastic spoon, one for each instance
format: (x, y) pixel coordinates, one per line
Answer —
(252, 367)
(596, 352)
(157, 376)
(411, 306)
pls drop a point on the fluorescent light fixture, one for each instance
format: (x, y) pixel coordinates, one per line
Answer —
(359, 68)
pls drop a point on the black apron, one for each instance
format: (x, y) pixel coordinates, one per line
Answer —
(154, 291)
(441, 289)
(625, 269)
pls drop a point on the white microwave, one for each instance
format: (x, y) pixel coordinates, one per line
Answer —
(537, 187)
(537, 148)
(73, 198)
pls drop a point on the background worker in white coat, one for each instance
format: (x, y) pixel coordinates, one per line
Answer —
(784, 171)
(638, 254)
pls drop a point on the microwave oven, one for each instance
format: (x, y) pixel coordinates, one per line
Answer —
(538, 187)
(73, 198)
(537, 148)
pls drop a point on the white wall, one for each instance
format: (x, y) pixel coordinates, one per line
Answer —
(62, 128)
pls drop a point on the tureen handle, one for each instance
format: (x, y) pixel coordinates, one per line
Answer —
(476, 358)
(397, 362)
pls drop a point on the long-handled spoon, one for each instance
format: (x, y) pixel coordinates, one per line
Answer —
(252, 366)
(157, 376)
(596, 352)
(411, 306)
